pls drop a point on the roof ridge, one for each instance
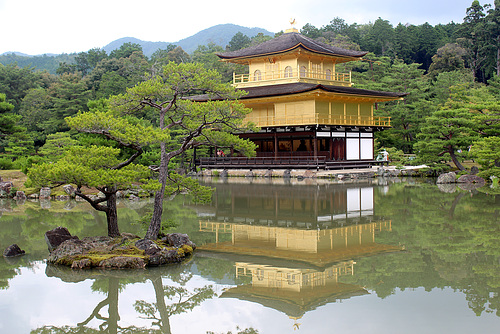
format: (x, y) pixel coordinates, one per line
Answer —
(290, 41)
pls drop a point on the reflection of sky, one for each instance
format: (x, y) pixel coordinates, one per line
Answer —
(34, 300)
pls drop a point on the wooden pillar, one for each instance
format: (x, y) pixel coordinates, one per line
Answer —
(315, 145)
(330, 148)
(275, 145)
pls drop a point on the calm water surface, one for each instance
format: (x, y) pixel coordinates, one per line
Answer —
(374, 256)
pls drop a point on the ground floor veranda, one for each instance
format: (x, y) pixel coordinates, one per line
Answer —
(315, 147)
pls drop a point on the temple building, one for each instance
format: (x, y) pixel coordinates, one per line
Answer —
(304, 108)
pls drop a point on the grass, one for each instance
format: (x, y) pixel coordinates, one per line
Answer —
(17, 178)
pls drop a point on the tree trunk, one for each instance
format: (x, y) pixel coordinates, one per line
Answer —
(113, 315)
(455, 160)
(155, 224)
(112, 216)
(161, 306)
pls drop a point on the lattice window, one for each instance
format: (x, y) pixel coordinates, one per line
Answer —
(303, 71)
(316, 70)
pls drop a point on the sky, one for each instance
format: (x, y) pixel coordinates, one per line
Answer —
(63, 26)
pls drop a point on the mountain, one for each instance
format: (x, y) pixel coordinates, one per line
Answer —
(220, 34)
(147, 47)
(15, 53)
(48, 62)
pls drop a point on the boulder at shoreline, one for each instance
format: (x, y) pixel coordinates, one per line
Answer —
(13, 250)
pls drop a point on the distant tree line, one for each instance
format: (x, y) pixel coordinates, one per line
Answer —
(451, 72)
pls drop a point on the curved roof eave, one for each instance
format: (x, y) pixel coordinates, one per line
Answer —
(300, 45)
(299, 88)
(305, 88)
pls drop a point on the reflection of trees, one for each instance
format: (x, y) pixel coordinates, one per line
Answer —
(110, 324)
(215, 269)
(9, 268)
(452, 240)
(181, 299)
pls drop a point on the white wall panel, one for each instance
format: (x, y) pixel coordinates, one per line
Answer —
(353, 200)
(352, 148)
(366, 148)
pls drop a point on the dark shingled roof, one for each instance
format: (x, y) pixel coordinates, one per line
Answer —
(290, 41)
(296, 88)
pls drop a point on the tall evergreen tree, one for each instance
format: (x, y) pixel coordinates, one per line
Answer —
(474, 38)
(8, 121)
(239, 41)
(207, 123)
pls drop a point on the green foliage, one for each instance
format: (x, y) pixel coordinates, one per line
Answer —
(15, 82)
(55, 145)
(239, 41)
(14, 141)
(378, 37)
(441, 86)
(6, 163)
(49, 63)
(207, 55)
(487, 153)
(126, 50)
(90, 167)
(87, 61)
(447, 133)
(127, 131)
(397, 157)
(68, 96)
(8, 121)
(25, 163)
(35, 110)
(448, 58)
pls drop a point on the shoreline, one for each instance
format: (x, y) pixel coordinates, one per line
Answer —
(391, 171)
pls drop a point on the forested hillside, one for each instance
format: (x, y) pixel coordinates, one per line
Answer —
(451, 72)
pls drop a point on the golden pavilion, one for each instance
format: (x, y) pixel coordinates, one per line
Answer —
(306, 111)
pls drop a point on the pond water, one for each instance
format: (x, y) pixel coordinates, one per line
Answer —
(274, 256)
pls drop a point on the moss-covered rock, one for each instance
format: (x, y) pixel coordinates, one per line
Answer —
(125, 252)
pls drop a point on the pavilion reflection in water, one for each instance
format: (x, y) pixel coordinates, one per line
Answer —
(294, 245)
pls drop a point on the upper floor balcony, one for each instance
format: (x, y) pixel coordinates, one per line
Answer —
(291, 75)
(332, 120)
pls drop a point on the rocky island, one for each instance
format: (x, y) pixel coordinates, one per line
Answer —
(125, 252)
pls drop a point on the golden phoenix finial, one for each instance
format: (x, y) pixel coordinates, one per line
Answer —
(292, 22)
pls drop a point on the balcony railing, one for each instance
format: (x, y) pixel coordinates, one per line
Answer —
(269, 121)
(294, 75)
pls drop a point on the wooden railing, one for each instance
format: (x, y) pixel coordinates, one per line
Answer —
(294, 74)
(267, 121)
(263, 162)
(283, 162)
